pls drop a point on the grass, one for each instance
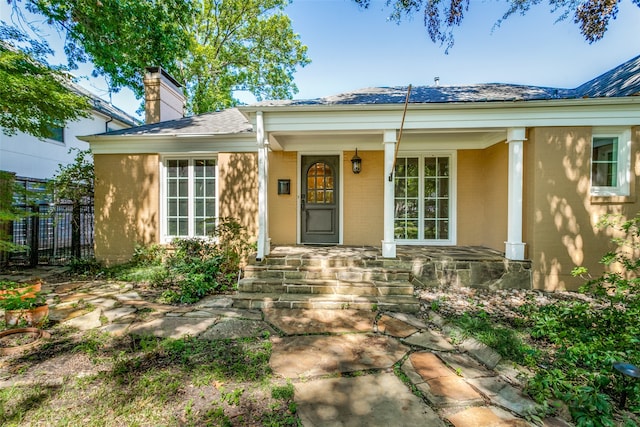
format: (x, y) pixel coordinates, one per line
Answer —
(152, 381)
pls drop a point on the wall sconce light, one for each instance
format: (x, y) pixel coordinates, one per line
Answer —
(356, 163)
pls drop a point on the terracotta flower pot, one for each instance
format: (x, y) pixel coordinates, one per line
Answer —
(31, 316)
(28, 291)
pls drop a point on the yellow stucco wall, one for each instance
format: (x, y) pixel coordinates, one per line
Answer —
(364, 199)
(482, 196)
(561, 229)
(127, 192)
(282, 208)
(238, 189)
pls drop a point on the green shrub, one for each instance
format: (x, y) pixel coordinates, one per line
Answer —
(199, 267)
(589, 338)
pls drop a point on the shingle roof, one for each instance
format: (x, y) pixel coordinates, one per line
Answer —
(623, 80)
(104, 107)
(225, 122)
(432, 94)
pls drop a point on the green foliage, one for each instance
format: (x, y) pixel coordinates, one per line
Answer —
(285, 392)
(19, 301)
(442, 16)
(194, 267)
(34, 97)
(8, 211)
(9, 285)
(507, 341)
(213, 47)
(84, 266)
(75, 181)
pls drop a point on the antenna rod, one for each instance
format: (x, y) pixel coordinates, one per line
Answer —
(404, 114)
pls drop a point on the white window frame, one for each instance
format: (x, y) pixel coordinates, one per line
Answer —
(453, 162)
(624, 162)
(164, 236)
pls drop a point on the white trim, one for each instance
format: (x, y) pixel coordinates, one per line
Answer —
(624, 162)
(136, 144)
(340, 196)
(453, 196)
(471, 115)
(389, 141)
(514, 246)
(164, 238)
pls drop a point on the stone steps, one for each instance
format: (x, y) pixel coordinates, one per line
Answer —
(255, 300)
(334, 282)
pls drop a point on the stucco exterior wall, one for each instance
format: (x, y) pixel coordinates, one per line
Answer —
(561, 227)
(238, 189)
(127, 193)
(282, 208)
(364, 199)
(482, 196)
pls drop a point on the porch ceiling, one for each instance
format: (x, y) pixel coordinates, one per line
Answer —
(413, 139)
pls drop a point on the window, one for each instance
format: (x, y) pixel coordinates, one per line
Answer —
(423, 202)
(189, 196)
(610, 163)
(320, 184)
(56, 133)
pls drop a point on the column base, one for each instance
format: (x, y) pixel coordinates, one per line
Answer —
(388, 249)
(514, 251)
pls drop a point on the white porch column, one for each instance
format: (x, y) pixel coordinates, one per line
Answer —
(263, 179)
(514, 245)
(388, 242)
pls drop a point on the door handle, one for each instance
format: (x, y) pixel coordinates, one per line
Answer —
(302, 202)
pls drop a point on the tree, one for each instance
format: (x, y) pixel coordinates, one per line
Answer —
(212, 46)
(75, 183)
(34, 97)
(441, 16)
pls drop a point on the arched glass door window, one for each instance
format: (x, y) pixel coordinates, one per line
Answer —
(320, 184)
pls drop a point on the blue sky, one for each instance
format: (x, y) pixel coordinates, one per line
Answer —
(353, 48)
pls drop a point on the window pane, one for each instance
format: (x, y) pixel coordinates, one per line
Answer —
(443, 166)
(443, 208)
(430, 208)
(430, 229)
(183, 227)
(443, 229)
(210, 209)
(199, 207)
(443, 187)
(430, 167)
(604, 168)
(412, 166)
(172, 228)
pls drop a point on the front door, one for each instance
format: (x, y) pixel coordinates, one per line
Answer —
(319, 201)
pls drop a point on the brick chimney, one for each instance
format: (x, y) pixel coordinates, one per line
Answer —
(163, 97)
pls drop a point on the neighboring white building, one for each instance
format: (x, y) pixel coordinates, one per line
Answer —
(38, 159)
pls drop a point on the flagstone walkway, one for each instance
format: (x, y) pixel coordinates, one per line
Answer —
(348, 367)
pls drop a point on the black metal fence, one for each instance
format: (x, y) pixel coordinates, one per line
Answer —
(53, 234)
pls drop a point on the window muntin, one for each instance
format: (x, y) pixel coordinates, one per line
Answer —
(423, 198)
(320, 184)
(610, 163)
(190, 199)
